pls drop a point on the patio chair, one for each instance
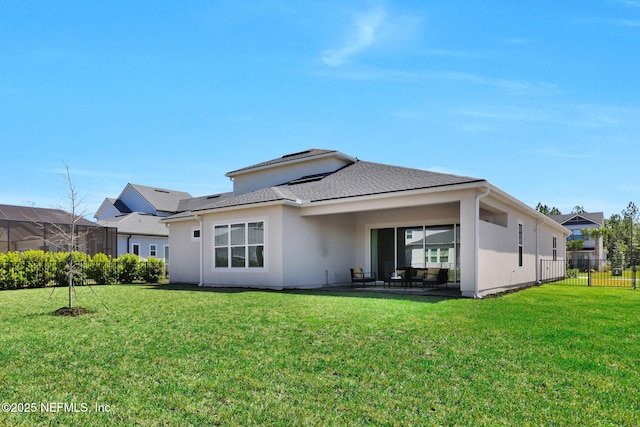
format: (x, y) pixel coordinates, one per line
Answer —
(434, 277)
(359, 276)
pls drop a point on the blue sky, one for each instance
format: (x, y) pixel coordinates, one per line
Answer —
(541, 98)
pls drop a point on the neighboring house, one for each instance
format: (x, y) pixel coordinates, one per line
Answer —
(142, 233)
(24, 228)
(304, 219)
(592, 249)
(136, 213)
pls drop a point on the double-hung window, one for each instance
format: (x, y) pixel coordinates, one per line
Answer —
(239, 245)
(555, 248)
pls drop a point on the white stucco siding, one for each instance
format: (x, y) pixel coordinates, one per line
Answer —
(317, 251)
(498, 253)
(263, 178)
(498, 257)
(184, 263)
(269, 276)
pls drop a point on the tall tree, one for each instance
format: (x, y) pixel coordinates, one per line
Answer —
(546, 210)
(630, 215)
(574, 246)
(596, 234)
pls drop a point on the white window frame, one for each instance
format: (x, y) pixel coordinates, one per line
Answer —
(520, 244)
(153, 250)
(193, 234)
(246, 245)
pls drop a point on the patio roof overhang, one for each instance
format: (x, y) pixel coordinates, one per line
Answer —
(391, 200)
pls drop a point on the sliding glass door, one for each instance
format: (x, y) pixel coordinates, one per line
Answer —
(383, 253)
(417, 247)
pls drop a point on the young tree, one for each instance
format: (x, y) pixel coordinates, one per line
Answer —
(75, 213)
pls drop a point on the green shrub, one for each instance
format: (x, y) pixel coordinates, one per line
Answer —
(152, 270)
(11, 271)
(128, 269)
(102, 269)
(39, 270)
(63, 267)
(36, 269)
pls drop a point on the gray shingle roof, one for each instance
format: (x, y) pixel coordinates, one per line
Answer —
(198, 202)
(358, 179)
(596, 217)
(160, 198)
(137, 223)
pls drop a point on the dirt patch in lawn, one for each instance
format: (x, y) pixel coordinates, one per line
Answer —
(71, 311)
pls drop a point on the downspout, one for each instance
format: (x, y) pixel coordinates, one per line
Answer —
(199, 218)
(129, 243)
(476, 293)
(538, 266)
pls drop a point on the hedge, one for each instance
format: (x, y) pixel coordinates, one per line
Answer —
(38, 269)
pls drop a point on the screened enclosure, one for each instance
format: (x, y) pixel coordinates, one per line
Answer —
(26, 228)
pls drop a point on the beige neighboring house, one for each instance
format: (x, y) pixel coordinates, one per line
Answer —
(304, 219)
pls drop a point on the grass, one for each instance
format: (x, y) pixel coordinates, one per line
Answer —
(165, 356)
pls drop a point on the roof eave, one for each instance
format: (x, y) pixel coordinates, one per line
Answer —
(194, 214)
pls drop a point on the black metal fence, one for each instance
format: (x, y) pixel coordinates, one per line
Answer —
(39, 274)
(594, 273)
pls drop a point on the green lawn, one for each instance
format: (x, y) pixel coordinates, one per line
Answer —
(157, 356)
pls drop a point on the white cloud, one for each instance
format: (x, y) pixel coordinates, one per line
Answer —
(554, 152)
(362, 36)
(631, 3)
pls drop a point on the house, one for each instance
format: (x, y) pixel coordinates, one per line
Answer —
(304, 219)
(578, 224)
(24, 228)
(136, 214)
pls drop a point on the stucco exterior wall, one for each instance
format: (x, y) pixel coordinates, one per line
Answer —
(269, 276)
(184, 264)
(250, 181)
(498, 260)
(318, 251)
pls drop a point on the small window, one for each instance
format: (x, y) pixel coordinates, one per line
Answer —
(153, 250)
(554, 247)
(196, 233)
(520, 245)
(136, 249)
